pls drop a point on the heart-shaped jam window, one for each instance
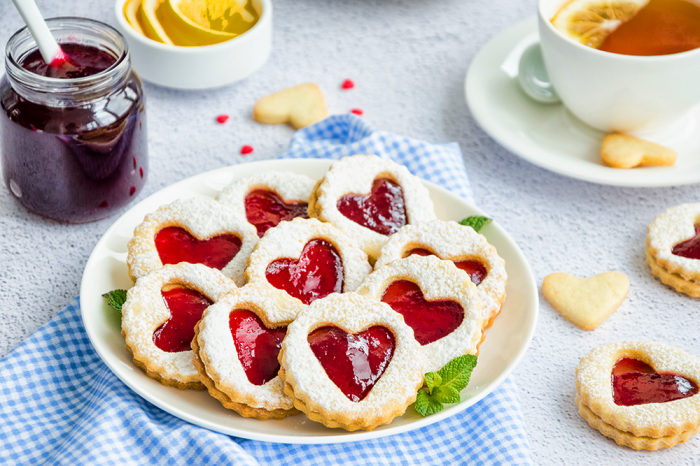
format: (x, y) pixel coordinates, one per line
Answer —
(475, 269)
(382, 211)
(353, 361)
(689, 248)
(186, 307)
(265, 210)
(317, 273)
(175, 245)
(430, 320)
(636, 383)
(257, 346)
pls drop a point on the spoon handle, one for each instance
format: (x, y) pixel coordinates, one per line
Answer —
(48, 47)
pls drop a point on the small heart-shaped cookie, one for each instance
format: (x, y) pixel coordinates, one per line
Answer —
(586, 302)
(623, 151)
(301, 105)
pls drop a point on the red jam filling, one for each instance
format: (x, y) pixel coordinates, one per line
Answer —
(382, 211)
(78, 61)
(430, 320)
(475, 269)
(175, 245)
(317, 273)
(265, 210)
(257, 346)
(186, 307)
(353, 362)
(689, 248)
(636, 383)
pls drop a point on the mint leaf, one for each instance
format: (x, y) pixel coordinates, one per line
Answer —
(447, 395)
(425, 405)
(432, 380)
(456, 373)
(476, 222)
(116, 299)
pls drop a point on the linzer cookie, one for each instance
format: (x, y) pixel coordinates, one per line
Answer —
(673, 248)
(159, 316)
(308, 260)
(437, 300)
(643, 395)
(236, 347)
(370, 198)
(192, 230)
(460, 244)
(269, 198)
(350, 361)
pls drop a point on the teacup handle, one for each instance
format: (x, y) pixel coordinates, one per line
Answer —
(533, 77)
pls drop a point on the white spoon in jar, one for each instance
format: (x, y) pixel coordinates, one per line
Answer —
(48, 47)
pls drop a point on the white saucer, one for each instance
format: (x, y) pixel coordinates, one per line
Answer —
(552, 138)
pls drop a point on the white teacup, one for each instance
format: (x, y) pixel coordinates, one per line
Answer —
(614, 92)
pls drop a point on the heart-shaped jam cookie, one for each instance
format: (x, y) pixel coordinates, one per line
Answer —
(635, 382)
(354, 362)
(436, 299)
(382, 211)
(689, 248)
(370, 198)
(460, 244)
(257, 346)
(177, 245)
(265, 210)
(159, 318)
(308, 260)
(430, 320)
(186, 307)
(236, 348)
(196, 231)
(475, 269)
(642, 394)
(317, 273)
(350, 361)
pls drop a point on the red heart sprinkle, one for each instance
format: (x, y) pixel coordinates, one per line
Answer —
(347, 84)
(356, 111)
(222, 119)
(245, 150)
(132, 190)
(141, 171)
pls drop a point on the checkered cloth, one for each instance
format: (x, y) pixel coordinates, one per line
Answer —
(60, 405)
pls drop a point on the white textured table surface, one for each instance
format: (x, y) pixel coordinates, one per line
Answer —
(408, 59)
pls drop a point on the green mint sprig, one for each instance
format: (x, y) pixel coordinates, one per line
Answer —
(476, 222)
(116, 299)
(443, 387)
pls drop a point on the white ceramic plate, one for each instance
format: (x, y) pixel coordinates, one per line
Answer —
(552, 138)
(505, 344)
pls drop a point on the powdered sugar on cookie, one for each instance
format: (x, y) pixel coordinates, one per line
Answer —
(672, 227)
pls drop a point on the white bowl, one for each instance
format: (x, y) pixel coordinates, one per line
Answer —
(199, 67)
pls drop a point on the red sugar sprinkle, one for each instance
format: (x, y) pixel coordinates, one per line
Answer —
(245, 150)
(132, 190)
(356, 111)
(347, 84)
(141, 171)
(222, 119)
(134, 158)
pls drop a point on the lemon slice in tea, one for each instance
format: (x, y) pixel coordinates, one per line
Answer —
(591, 21)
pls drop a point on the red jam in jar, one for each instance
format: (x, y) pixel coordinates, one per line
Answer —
(73, 137)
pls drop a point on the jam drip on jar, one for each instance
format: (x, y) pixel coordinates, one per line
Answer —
(186, 307)
(317, 273)
(430, 320)
(175, 245)
(635, 383)
(689, 248)
(475, 269)
(265, 210)
(80, 61)
(257, 346)
(353, 362)
(383, 211)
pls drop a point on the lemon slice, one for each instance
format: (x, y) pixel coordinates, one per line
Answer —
(149, 21)
(184, 31)
(130, 13)
(590, 22)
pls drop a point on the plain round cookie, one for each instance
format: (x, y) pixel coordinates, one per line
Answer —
(355, 175)
(451, 241)
(203, 218)
(674, 226)
(313, 391)
(145, 311)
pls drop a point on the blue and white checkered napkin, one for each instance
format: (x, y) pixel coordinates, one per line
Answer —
(59, 404)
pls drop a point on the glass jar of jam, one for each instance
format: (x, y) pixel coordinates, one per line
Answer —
(73, 137)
